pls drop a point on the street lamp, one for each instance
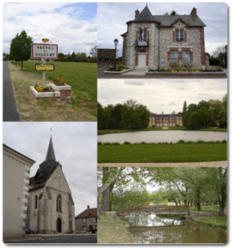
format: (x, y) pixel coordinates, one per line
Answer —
(115, 42)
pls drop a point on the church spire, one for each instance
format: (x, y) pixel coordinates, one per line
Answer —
(50, 152)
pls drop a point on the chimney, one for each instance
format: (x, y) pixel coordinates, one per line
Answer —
(136, 13)
(88, 207)
(226, 48)
(194, 12)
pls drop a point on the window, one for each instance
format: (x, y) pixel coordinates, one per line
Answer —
(59, 203)
(84, 220)
(179, 36)
(36, 201)
(174, 56)
(142, 37)
(186, 56)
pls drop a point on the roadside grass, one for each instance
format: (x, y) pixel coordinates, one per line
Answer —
(162, 152)
(82, 108)
(114, 131)
(113, 230)
(220, 221)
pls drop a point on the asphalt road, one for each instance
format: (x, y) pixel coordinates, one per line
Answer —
(56, 239)
(10, 112)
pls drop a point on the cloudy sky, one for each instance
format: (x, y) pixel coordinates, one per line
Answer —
(73, 26)
(75, 146)
(160, 95)
(112, 18)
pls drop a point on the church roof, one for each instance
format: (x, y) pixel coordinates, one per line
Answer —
(50, 152)
(89, 212)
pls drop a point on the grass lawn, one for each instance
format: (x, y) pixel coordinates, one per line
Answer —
(220, 221)
(82, 77)
(113, 230)
(114, 131)
(213, 208)
(163, 152)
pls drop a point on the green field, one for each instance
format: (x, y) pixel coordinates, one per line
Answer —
(82, 77)
(163, 152)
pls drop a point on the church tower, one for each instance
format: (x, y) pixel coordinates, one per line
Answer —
(51, 207)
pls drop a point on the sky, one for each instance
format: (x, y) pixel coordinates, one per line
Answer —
(112, 18)
(73, 26)
(75, 147)
(160, 95)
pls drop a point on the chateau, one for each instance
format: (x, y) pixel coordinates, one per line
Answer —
(51, 207)
(154, 41)
(165, 120)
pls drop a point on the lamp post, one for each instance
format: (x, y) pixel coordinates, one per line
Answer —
(115, 42)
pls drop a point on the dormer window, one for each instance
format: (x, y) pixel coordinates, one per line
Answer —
(179, 35)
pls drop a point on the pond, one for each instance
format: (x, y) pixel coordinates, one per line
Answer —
(163, 136)
(150, 228)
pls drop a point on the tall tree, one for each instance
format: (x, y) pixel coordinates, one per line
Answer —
(93, 52)
(20, 48)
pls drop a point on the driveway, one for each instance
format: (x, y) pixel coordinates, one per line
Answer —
(10, 112)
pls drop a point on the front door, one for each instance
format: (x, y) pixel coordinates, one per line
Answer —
(141, 60)
(59, 225)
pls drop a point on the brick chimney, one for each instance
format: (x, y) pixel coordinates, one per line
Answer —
(88, 207)
(226, 48)
(136, 13)
(194, 12)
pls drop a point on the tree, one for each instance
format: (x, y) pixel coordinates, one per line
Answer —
(81, 57)
(218, 51)
(184, 109)
(20, 48)
(174, 13)
(60, 56)
(93, 52)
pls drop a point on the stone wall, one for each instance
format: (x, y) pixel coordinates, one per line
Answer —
(199, 214)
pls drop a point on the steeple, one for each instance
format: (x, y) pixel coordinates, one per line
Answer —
(145, 15)
(50, 152)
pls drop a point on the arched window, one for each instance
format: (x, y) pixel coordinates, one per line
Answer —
(36, 202)
(59, 203)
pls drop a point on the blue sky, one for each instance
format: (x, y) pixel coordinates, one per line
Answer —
(112, 18)
(73, 26)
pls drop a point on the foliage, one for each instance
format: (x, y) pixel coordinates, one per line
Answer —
(45, 88)
(205, 114)
(129, 115)
(20, 48)
(214, 61)
(93, 52)
(218, 50)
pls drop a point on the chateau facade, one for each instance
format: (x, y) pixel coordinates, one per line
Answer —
(154, 41)
(165, 120)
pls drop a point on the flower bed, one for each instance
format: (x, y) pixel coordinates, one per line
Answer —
(119, 69)
(57, 93)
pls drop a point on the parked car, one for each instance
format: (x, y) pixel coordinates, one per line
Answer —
(94, 230)
(28, 231)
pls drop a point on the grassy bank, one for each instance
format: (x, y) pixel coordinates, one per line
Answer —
(114, 131)
(213, 208)
(163, 152)
(113, 230)
(220, 221)
(81, 77)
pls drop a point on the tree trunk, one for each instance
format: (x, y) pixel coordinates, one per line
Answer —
(222, 201)
(104, 202)
(198, 193)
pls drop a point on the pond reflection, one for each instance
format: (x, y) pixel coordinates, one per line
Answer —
(149, 228)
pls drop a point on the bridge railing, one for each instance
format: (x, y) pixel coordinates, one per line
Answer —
(157, 208)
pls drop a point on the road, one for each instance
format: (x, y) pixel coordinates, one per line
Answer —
(53, 239)
(10, 112)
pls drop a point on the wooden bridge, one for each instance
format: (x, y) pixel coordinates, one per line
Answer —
(156, 209)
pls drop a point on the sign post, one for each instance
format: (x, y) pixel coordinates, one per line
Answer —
(44, 51)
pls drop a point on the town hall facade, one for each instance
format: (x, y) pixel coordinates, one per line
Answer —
(51, 207)
(159, 41)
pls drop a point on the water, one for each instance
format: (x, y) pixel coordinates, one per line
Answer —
(163, 136)
(149, 228)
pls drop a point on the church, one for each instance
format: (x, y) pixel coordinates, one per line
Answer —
(50, 207)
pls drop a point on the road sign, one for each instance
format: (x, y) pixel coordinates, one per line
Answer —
(44, 67)
(45, 40)
(44, 51)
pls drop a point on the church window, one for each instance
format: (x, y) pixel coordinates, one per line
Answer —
(36, 201)
(59, 203)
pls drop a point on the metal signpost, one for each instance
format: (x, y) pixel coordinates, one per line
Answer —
(44, 51)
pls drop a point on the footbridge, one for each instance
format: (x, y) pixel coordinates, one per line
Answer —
(153, 209)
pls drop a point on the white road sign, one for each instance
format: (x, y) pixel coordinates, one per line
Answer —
(44, 51)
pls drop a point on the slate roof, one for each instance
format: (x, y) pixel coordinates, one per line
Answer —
(166, 115)
(167, 20)
(86, 213)
(50, 152)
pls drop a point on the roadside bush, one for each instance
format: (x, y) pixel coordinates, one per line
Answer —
(214, 61)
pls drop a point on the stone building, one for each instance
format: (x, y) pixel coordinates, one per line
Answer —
(165, 120)
(87, 220)
(153, 41)
(16, 174)
(51, 207)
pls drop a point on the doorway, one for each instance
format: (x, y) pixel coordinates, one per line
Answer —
(142, 60)
(59, 225)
